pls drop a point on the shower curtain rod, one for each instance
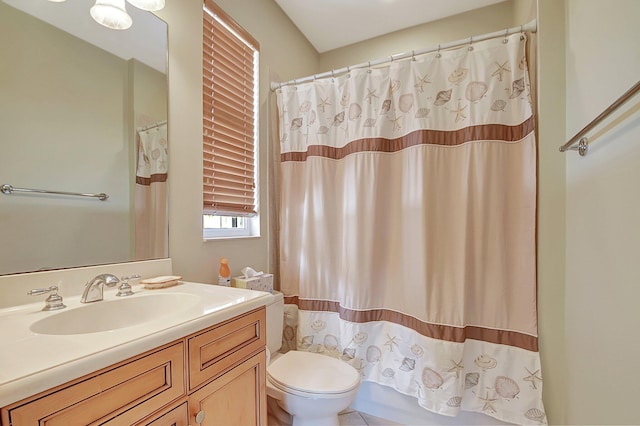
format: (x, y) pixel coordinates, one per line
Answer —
(153, 126)
(529, 27)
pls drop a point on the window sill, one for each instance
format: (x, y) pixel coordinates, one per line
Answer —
(232, 237)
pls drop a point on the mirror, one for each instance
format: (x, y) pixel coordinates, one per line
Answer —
(83, 109)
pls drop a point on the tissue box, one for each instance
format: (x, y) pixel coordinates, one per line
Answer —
(262, 282)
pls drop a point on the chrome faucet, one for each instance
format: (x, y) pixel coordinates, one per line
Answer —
(93, 290)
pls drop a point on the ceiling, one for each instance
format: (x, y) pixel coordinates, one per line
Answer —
(73, 17)
(330, 24)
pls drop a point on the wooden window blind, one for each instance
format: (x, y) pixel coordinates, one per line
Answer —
(229, 77)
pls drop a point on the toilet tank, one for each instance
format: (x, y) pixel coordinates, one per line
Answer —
(275, 320)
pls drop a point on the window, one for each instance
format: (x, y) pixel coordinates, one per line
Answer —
(217, 226)
(230, 123)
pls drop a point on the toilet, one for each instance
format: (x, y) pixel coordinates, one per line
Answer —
(312, 388)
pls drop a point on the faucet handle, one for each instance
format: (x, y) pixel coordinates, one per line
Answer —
(53, 302)
(130, 277)
(125, 287)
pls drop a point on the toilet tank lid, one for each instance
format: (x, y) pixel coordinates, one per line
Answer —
(313, 373)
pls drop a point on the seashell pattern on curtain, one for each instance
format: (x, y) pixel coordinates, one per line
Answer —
(407, 227)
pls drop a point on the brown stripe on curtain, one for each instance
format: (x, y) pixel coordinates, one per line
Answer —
(435, 331)
(485, 132)
(154, 178)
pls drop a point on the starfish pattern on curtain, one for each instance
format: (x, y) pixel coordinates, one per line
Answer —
(407, 227)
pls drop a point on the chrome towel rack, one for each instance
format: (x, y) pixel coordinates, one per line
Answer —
(583, 142)
(8, 189)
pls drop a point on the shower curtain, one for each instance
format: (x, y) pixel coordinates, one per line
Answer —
(151, 216)
(407, 227)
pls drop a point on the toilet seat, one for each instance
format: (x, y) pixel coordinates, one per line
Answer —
(309, 374)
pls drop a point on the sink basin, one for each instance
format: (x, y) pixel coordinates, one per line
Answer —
(114, 314)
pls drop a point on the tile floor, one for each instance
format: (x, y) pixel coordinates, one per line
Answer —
(355, 418)
(351, 418)
(276, 416)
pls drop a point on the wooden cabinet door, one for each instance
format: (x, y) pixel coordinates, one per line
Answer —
(119, 395)
(218, 348)
(178, 416)
(238, 397)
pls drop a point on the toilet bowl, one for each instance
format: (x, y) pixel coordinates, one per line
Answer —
(312, 388)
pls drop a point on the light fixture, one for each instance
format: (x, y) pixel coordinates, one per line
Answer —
(111, 14)
(150, 5)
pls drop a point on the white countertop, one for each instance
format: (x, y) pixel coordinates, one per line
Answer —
(31, 362)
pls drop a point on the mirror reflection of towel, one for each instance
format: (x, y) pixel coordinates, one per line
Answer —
(151, 215)
(153, 155)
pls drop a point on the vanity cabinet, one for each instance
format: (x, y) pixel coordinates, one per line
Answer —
(238, 397)
(176, 416)
(127, 392)
(215, 376)
(227, 372)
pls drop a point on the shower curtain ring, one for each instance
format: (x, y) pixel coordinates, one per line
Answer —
(470, 48)
(506, 34)
(413, 55)
(438, 55)
(369, 67)
(521, 32)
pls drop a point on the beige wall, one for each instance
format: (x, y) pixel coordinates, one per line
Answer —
(148, 94)
(603, 207)
(481, 21)
(61, 117)
(284, 52)
(551, 196)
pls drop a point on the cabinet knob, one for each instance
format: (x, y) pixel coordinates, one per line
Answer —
(200, 417)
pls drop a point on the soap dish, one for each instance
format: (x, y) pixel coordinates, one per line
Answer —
(161, 282)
